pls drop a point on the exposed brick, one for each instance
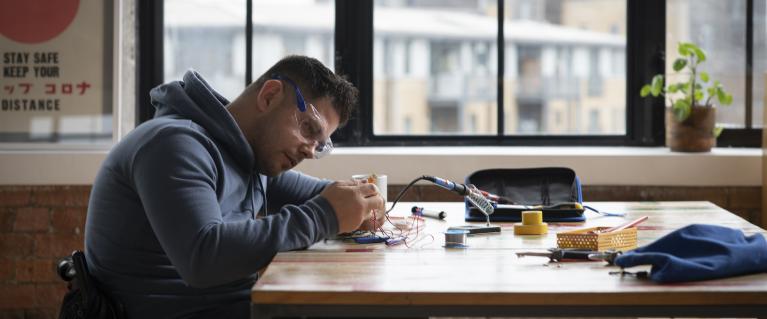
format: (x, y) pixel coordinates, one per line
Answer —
(35, 270)
(12, 314)
(57, 245)
(13, 196)
(68, 220)
(32, 219)
(44, 271)
(16, 245)
(17, 296)
(7, 217)
(745, 197)
(24, 270)
(61, 196)
(50, 295)
(437, 194)
(412, 195)
(716, 195)
(41, 313)
(7, 269)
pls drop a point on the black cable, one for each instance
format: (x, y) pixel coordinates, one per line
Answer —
(402, 192)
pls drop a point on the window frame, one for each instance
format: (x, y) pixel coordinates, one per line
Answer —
(645, 57)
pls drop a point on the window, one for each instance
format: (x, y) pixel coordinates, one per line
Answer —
(429, 71)
(718, 28)
(733, 35)
(209, 36)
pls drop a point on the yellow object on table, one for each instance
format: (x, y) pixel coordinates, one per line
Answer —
(532, 224)
(594, 239)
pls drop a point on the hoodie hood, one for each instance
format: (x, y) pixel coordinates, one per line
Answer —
(194, 99)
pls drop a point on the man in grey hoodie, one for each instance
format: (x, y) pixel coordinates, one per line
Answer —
(191, 204)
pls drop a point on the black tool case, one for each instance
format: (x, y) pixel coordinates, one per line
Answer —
(556, 191)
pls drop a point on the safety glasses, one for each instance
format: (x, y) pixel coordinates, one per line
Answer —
(310, 122)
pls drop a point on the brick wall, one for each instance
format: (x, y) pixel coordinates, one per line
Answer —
(40, 224)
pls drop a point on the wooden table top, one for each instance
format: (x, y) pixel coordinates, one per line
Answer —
(488, 272)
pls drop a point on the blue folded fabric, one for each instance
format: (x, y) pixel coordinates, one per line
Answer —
(700, 252)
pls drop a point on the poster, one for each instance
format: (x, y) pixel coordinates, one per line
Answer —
(57, 60)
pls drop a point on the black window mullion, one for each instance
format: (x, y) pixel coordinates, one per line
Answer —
(248, 42)
(645, 57)
(749, 62)
(149, 57)
(354, 58)
(501, 70)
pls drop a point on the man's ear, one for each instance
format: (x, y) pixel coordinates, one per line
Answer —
(270, 95)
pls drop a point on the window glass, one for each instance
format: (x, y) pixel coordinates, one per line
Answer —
(283, 27)
(203, 35)
(719, 28)
(760, 62)
(209, 36)
(565, 67)
(435, 67)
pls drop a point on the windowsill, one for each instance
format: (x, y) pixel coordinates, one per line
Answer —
(594, 165)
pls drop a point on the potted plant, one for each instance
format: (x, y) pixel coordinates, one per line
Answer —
(691, 117)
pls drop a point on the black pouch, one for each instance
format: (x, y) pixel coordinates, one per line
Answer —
(556, 191)
(84, 298)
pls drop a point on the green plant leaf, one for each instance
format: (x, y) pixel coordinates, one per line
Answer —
(645, 90)
(704, 77)
(699, 53)
(679, 64)
(711, 91)
(717, 131)
(657, 85)
(698, 96)
(673, 88)
(684, 87)
(681, 110)
(727, 99)
(684, 48)
(721, 95)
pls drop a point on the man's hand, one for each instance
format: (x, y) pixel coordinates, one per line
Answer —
(355, 203)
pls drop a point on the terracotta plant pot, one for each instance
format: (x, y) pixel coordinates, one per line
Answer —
(695, 134)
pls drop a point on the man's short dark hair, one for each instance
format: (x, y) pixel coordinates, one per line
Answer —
(315, 81)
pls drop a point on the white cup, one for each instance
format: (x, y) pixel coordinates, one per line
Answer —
(378, 180)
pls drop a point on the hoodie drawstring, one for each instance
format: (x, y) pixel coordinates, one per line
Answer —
(253, 196)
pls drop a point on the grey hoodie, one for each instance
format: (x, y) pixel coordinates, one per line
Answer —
(171, 229)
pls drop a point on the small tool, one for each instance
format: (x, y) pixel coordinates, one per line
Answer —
(608, 256)
(420, 211)
(559, 254)
(476, 229)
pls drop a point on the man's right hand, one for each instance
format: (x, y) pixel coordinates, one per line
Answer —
(353, 202)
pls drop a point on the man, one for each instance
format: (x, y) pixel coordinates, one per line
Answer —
(172, 228)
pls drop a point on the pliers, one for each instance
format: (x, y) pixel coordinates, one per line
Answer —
(563, 254)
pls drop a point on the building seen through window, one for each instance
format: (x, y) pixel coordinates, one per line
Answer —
(435, 62)
(564, 67)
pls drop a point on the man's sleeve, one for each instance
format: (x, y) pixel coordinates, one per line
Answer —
(293, 187)
(176, 177)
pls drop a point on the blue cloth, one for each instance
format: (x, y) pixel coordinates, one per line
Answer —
(172, 231)
(700, 252)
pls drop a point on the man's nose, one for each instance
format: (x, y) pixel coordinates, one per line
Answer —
(308, 149)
